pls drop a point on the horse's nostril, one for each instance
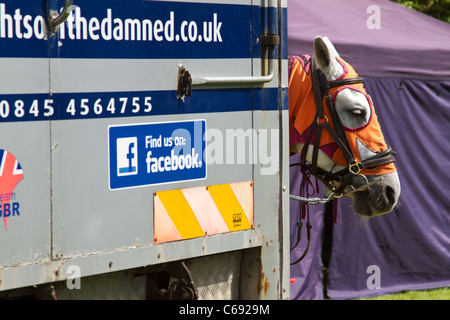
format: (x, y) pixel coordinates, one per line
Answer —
(390, 195)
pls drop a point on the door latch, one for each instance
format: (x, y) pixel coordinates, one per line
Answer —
(184, 83)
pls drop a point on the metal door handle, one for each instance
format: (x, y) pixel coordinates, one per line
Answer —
(236, 80)
(268, 40)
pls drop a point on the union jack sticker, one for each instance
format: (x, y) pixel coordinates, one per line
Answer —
(11, 174)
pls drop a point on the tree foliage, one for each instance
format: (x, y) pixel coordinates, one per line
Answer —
(439, 9)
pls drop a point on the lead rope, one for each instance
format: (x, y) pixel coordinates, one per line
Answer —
(308, 236)
(335, 206)
(308, 229)
(304, 210)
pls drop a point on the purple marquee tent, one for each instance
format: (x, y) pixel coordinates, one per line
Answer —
(404, 57)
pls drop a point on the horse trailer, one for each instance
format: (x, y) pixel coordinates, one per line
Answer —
(144, 149)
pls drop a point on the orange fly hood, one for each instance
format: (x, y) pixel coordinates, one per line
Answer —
(365, 142)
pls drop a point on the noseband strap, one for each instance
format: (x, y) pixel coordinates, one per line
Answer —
(342, 82)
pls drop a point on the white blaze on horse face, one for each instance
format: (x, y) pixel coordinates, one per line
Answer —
(353, 108)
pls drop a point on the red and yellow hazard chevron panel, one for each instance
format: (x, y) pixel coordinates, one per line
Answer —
(196, 212)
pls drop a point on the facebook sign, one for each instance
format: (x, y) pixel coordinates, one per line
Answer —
(156, 153)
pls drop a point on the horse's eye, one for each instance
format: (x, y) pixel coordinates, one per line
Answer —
(358, 112)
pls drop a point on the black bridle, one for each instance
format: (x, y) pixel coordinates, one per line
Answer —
(321, 89)
(345, 176)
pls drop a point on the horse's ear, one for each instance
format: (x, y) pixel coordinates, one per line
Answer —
(325, 54)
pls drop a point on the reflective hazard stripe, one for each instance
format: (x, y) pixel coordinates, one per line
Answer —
(232, 212)
(196, 212)
(181, 214)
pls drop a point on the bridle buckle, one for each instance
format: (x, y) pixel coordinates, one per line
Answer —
(355, 168)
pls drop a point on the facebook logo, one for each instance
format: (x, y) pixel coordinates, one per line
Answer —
(127, 156)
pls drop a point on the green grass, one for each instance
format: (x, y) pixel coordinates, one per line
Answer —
(433, 294)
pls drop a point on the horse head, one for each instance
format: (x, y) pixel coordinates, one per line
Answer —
(335, 129)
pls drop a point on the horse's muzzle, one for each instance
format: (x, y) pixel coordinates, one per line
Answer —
(378, 198)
